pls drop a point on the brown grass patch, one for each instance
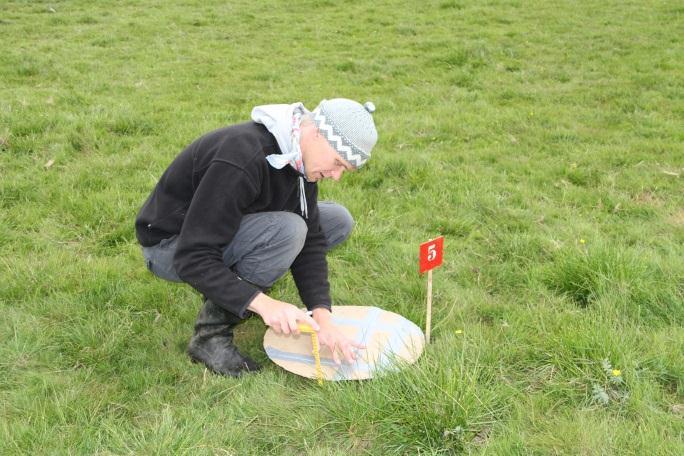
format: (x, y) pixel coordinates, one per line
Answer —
(648, 198)
(678, 218)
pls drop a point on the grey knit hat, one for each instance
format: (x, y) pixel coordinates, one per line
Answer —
(349, 128)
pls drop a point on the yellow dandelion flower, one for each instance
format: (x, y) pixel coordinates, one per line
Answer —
(617, 372)
(458, 331)
(582, 241)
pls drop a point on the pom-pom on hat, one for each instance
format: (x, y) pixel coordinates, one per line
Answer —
(349, 128)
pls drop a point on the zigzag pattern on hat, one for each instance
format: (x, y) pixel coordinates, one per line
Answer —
(337, 141)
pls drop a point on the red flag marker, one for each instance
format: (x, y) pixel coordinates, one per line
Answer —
(431, 255)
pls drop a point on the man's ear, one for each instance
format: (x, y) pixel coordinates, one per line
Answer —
(315, 131)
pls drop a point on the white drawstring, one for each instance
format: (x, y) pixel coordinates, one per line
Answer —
(302, 199)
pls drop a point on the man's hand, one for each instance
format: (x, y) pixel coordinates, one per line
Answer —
(279, 315)
(330, 336)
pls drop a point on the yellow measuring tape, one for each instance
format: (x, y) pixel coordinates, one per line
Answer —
(306, 329)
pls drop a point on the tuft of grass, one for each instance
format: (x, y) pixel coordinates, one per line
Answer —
(635, 284)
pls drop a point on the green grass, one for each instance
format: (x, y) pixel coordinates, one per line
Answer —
(543, 139)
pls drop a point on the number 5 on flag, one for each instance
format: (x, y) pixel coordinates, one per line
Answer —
(431, 254)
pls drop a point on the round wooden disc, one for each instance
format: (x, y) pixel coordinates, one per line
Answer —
(391, 340)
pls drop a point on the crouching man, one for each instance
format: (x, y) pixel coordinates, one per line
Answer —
(239, 207)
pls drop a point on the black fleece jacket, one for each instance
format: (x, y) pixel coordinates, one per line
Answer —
(204, 194)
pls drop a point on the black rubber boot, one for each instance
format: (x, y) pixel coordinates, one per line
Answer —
(212, 342)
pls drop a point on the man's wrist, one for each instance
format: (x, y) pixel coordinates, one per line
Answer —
(257, 303)
(321, 314)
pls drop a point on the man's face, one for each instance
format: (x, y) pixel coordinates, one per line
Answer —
(321, 161)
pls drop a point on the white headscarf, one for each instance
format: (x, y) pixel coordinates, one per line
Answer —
(283, 121)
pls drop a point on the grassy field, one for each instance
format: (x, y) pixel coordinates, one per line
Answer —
(543, 139)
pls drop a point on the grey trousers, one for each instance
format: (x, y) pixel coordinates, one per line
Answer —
(265, 245)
